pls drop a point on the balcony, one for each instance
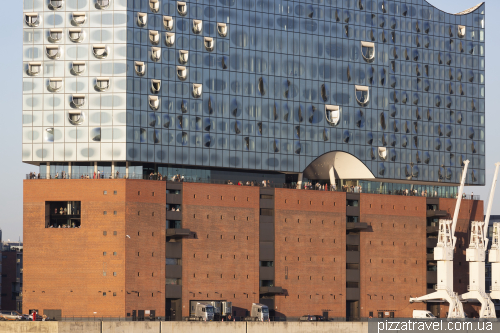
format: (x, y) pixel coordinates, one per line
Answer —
(352, 210)
(352, 275)
(178, 233)
(270, 290)
(173, 250)
(173, 271)
(431, 277)
(175, 199)
(174, 215)
(352, 294)
(266, 273)
(352, 257)
(432, 230)
(356, 226)
(173, 291)
(430, 256)
(437, 213)
(431, 242)
(266, 203)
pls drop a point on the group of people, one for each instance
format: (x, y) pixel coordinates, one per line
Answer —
(34, 175)
(65, 226)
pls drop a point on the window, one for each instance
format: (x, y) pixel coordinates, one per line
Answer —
(115, 253)
(76, 35)
(55, 4)
(222, 29)
(209, 44)
(53, 51)
(104, 233)
(170, 39)
(183, 56)
(154, 5)
(55, 84)
(352, 284)
(156, 53)
(100, 51)
(368, 51)
(181, 73)
(34, 68)
(197, 90)
(104, 253)
(362, 95)
(267, 264)
(79, 18)
(95, 134)
(78, 67)
(142, 19)
(76, 117)
(115, 212)
(115, 233)
(140, 68)
(102, 84)
(114, 273)
(382, 153)
(181, 8)
(102, 4)
(114, 293)
(155, 86)
(154, 102)
(168, 23)
(461, 31)
(115, 192)
(105, 213)
(154, 37)
(32, 19)
(55, 35)
(49, 134)
(197, 26)
(332, 114)
(266, 212)
(104, 293)
(77, 101)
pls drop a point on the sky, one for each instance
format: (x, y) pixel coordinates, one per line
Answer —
(13, 171)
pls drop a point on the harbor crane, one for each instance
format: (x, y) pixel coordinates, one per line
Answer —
(443, 254)
(494, 254)
(476, 256)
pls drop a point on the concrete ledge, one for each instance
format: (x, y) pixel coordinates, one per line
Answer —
(307, 327)
(205, 327)
(130, 327)
(28, 326)
(79, 327)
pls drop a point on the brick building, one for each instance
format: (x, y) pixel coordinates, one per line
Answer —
(11, 271)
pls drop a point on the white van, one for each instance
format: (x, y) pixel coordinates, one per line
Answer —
(423, 314)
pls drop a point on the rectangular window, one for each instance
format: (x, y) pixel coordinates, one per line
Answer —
(266, 212)
(115, 253)
(352, 247)
(104, 293)
(105, 213)
(267, 264)
(105, 192)
(114, 273)
(115, 212)
(266, 196)
(105, 233)
(62, 214)
(115, 233)
(352, 284)
(352, 266)
(104, 253)
(114, 294)
(115, 192)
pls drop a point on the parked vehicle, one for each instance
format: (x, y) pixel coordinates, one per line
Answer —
(10, 315)
(204, 311)
(30, 317)
(260, 312)
(423, 314)
(227, 310)
(320, 318)
(307, 318)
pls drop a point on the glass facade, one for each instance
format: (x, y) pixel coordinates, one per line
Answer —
(268, 85)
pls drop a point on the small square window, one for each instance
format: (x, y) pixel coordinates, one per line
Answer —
(114, 273)
(153, 194)
(114, 294)
(104, 293)
(139, 193)
(115, 192)
(115, 233)
(103, 273)
(105, 233)
(105, 213)
(104, 253)
(115, 212)
(115, 253)
(105, 192)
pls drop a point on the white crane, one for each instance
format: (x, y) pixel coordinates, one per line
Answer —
(443, 254)
(494, 255)
(476, 255)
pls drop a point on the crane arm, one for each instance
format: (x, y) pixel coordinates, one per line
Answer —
(459, 200)
(490, 205)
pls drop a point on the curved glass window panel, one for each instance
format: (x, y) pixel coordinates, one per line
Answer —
(100, 51)
(142, 19)
(437, 101)
(325, 134)
(346, 136)
(102, 4)
(140, 68)
(154, 37)
(32, 19)
(449, 145)
(461, 31)
(372, 152)
(143, 135)
(383, 123)
(369, 138)
(297, 147)
(77, 101)
(181, 73)
(382, 153)
(182, 8)
(169, 39)
(222, 29)
(76, 35)
(154, 5)
(470, 132)
(76, 117)
(168, 23)
(197, 90)
(79, 18)
(55, 35)
(392, 142)
(262, 86)
(404, 141)
(78, 67)
(332, 114)
(156, 54)
(154, 102)
(152, 119)
(95, 134)
(166, 120)
(55, 84)
(437, 144)
(184, 106)
(102, 84)
(362, 95)
(49, 135)
(155, 86)
(53, 51)
(55, 4)
(325, 92)
(209, 44)
(459, 117)
(360, 4)
(183, 56)
(368, 51)
(197, 26)
(207, 141)
(34, 68)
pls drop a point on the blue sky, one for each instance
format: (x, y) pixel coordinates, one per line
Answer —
(13, 171)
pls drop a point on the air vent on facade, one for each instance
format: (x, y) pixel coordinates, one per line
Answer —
(32, 19)
(209, 44)
(79, 18)
(181, 8)
(197, 26)
(142, 19)
(332, 114)
(154, 5)
(154, 102)
(156, 53)
(55, 35)
(76, 35)
(76, 117)
(168, 23)
(362, 95)
(102, 84)
(77, 101)
(55, 4)
(34, 68)
(197, 90)
(222, 29)
(140, 68)
(55, 84)
(183, 56)
(181, 73)
(78, 67)
(100, 51)
(154, 37)
(53, 51)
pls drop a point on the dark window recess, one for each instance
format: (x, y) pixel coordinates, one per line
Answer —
(352, 284)
(170, 261)
(173, 191)
(267, 264)
(266, 212)
(432, 207)
(391, 314)
(62, 214)
(352, 266)
(174, 224)
(353, 203)
(430, 286)
(266, 196)
(370, 314)
(267, 283)
(353, 219)
(381, 315)
(352, 247)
